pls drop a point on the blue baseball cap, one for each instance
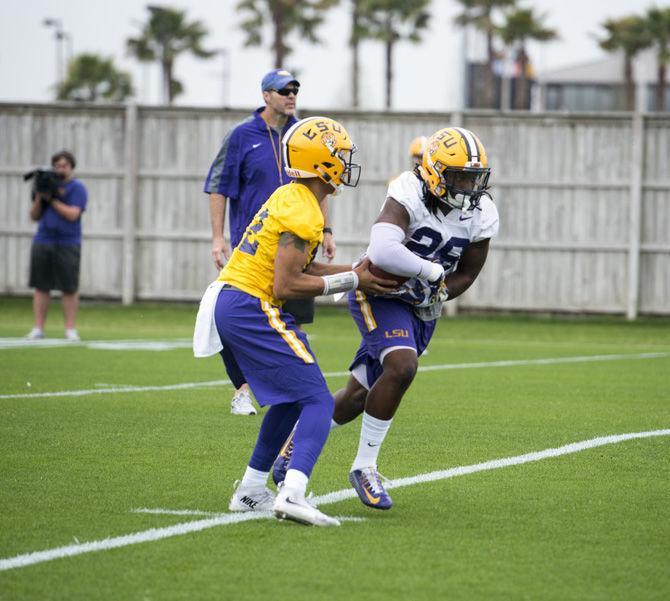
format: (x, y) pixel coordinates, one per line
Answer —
(277, 79)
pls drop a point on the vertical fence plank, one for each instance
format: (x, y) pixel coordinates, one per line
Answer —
(635, 214)
(129, 204)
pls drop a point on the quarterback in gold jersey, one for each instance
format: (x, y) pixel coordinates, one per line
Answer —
(273, 262)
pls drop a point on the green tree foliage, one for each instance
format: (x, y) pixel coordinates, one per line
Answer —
(92, 78)
(629, 35)
(480, 14)
(391, 21)
(284, 17)
(166, 35)
(658, 26)
(521, 25)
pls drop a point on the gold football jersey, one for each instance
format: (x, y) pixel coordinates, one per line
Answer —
(291, 208)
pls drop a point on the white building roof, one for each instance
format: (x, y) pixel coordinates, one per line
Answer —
(606, 70)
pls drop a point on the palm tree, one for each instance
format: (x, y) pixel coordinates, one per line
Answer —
(285, 17)
(92, 78)
(658, 25)
(391, 21)
(480, 13)
(165, 36)
(520, 26)
(629, 34)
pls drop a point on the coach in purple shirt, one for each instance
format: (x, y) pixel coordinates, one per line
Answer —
(56, 248)
(246, 171)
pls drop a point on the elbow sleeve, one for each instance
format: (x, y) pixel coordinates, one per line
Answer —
(387, 251)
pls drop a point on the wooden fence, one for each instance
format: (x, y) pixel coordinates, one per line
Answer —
(584, 200)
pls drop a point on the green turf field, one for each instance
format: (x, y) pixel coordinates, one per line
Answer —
(593, 524)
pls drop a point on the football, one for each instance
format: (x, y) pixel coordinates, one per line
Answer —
(380, 273)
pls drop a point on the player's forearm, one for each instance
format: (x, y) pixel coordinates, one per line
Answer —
(217, 214)
(293, 280)
(321, 269)
(469, 266)
(302, 285)
(306, 285)
(458, 283)
(387, 251)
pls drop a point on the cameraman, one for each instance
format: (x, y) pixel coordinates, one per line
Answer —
(56, 248)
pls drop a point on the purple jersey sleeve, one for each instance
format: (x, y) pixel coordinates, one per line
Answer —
(224, 174)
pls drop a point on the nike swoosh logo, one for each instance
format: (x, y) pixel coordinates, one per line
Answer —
(373, 500)
(373, 445)
(461, 218)
(288, 500)
(256, 145)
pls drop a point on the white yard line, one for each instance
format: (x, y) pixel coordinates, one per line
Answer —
(154, 534)
(101, 345)
(114, 389)
(198, 513)
(547, 361)
(193, 512)
(334, 374)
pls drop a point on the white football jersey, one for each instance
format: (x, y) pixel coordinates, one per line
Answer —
(438, 237)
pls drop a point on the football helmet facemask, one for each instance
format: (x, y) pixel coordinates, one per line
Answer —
(455, 167)
(321, 147)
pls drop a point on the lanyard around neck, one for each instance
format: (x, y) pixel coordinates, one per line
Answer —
(277, 153)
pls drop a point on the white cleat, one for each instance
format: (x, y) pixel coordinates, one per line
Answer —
(247, 498)
(35, 334)
(72, 335)
(290, 505)
(242, 404)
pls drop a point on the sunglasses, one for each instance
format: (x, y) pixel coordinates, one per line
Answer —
(287, 91)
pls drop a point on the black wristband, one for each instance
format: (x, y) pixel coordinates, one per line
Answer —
(328, 230)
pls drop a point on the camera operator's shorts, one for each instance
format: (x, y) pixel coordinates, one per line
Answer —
(302, 309)
(54, 267)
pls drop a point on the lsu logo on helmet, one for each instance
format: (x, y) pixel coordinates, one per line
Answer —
(321, 147)
(455, 167)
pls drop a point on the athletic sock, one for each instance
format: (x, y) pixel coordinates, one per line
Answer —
(373, 432)
(254, 478)
(296, 481)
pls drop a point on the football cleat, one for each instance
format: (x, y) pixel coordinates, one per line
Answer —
(242, 404)
(368, 485)
(251, 498)
(291, 505)
(280, 466)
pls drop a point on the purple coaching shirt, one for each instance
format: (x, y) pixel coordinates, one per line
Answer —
(245, 170)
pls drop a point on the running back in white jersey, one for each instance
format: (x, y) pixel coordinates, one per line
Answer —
(438, 237)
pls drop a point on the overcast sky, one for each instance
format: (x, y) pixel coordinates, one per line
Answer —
(427, 75)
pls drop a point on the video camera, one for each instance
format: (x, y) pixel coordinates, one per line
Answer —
(47, 182)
